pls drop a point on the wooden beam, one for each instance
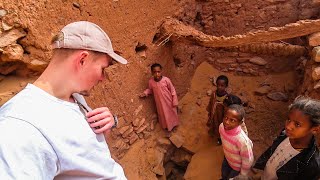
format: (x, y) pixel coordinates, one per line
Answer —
(177, 29)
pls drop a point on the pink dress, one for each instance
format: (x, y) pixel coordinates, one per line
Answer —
(166, 100)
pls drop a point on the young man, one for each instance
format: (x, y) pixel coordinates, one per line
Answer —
(47, 130)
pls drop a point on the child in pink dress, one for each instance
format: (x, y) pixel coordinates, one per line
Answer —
(165, 97)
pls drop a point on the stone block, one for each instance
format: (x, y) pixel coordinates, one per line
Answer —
(258, 61)
(316, 74)
(262, 90)
(317, 85)
(142, 128)
(226, 61)
(278, 96)
(316, 54)
(177, 140)
(123, 129)
(11, 37)
(314, 39)
(12, 52)
(128, 132)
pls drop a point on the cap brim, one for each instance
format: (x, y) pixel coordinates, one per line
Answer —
(118, 58)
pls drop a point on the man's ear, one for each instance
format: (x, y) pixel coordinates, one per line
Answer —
(82, 58)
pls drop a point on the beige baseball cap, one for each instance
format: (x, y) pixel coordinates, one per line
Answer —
(89, 36)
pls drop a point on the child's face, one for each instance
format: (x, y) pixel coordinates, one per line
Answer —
(298, 125)
(231, 119)
(221, 86)
(157, 73)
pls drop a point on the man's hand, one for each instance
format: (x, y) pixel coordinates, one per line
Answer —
(142, 95)
(100, 120)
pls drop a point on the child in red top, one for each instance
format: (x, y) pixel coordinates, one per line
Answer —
(165, 97)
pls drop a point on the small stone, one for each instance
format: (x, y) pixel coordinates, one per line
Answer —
(316, 74)
(133, 138)
(3, 12)
(37, 65)
(11, 37)
(199, 102)
(128, 132)
(258, 61)
(226, 60)
(177, 140)
(317, 85)
(152, 126)
(122, 130)
(76, 5)
(262, 90)
(316, 54)
(13, 52)
(277, 96)
(142, 128)
(136, 112)
(137, 123)
(6, 26)
(314, 39)
(164, 142)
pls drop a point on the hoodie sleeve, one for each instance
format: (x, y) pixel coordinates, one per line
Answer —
(246, 157)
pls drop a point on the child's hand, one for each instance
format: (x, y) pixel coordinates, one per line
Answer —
(142, 95)
(100, 119)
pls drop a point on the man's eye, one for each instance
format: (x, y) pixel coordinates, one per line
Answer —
(298, 125)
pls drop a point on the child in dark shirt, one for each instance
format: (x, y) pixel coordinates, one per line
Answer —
(294, 154)
(216, 107)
